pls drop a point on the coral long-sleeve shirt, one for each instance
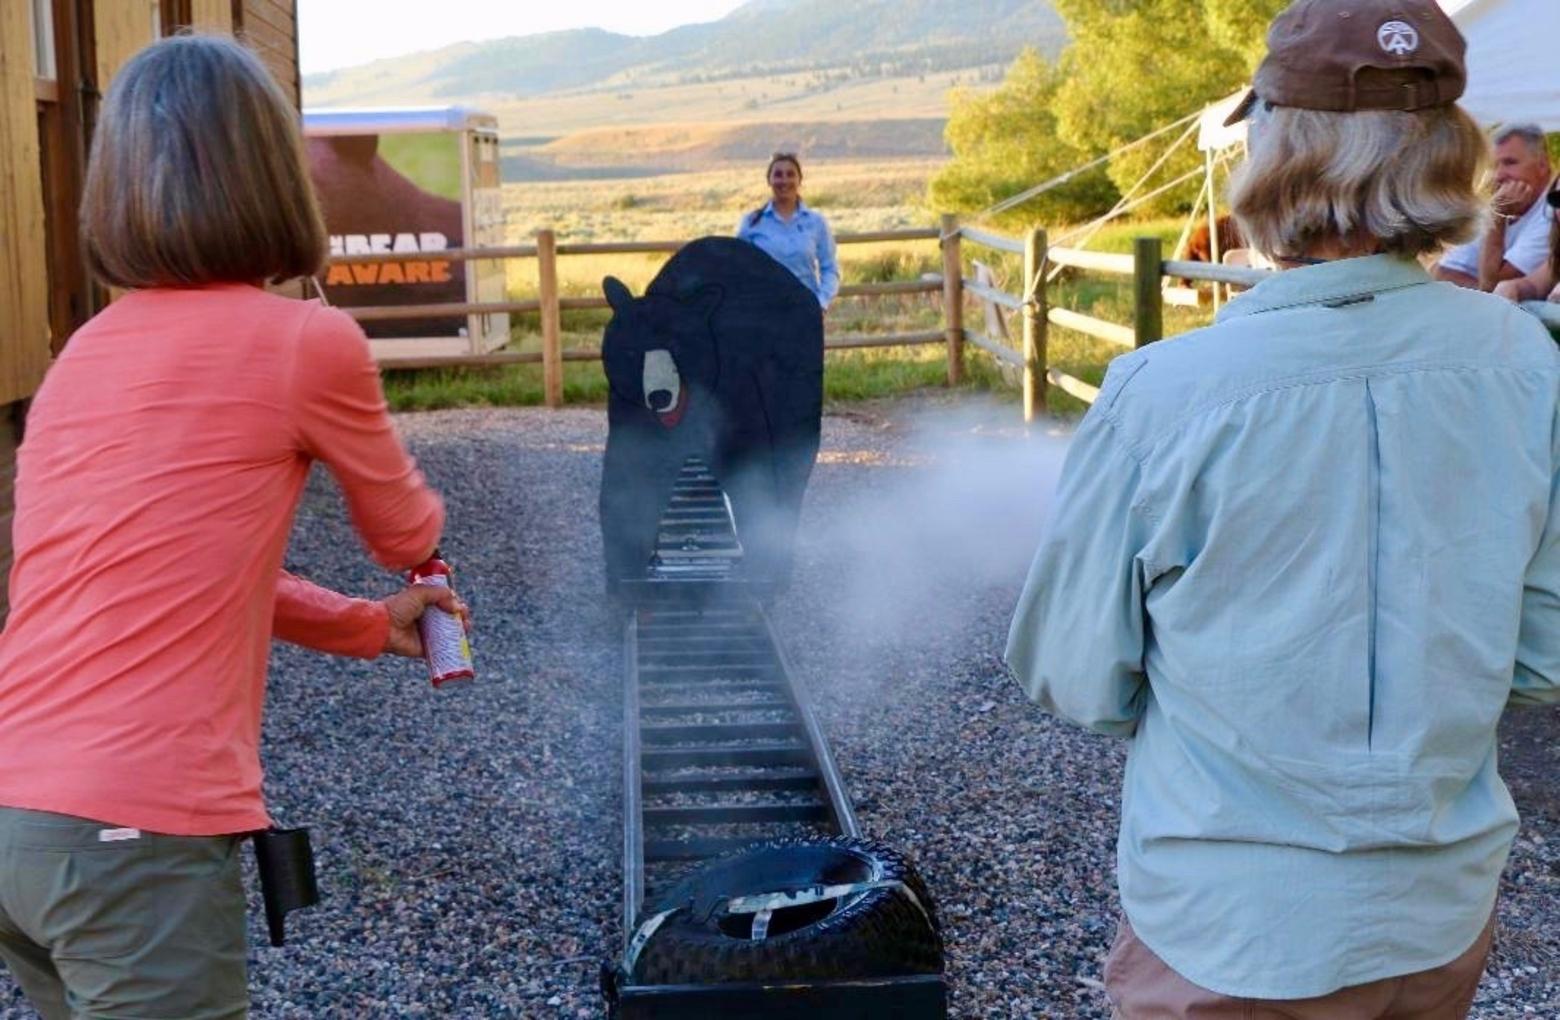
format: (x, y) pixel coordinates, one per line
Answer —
(163, 460)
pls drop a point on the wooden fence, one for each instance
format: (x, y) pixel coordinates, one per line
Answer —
(1145, 266)
(551, 306)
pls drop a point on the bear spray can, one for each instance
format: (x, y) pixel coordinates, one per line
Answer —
(443, 634)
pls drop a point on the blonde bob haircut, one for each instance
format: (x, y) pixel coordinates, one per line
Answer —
(197, 173)
(1404, 179)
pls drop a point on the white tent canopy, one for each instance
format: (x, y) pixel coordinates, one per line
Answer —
(1513, 73)
(1513, 70)
(1212, 134)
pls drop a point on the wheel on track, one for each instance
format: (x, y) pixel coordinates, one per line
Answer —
(889, 928)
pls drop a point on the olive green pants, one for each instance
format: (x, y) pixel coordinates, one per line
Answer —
(100, 923)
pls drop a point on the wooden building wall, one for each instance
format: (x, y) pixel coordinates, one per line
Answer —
(119, 28)
(24, 297)
(211, 15)
(24, 294)
(271, 28)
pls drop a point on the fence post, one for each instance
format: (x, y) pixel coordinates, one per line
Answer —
(547, 291)
(1148, 308)
(953, 297)
(1035, 324)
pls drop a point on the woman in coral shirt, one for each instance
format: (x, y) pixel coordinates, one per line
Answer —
(165, 455)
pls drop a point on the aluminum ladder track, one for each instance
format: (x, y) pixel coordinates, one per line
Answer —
(721, 748)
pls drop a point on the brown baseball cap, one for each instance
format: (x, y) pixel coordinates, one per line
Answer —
(1346, 55)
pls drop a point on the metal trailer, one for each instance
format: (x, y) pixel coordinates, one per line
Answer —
(722, 749)
(412, 181)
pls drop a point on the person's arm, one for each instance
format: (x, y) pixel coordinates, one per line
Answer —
(341, 420)
(314, 617)
(1446, 274)
(1493, 267)
(1537, 677)
(1076, 641)
(308, 615)
(828, 265)
(1460, 265)
(1532, 287)
(1507, 250)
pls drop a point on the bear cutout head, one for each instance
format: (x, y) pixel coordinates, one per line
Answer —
(659, 352)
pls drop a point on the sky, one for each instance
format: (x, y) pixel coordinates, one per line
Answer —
(342, 33)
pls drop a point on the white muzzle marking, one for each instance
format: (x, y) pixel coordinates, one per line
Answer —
(662, 385)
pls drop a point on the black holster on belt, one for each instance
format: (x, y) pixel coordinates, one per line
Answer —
(286, 866)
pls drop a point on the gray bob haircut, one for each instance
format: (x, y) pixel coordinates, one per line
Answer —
(197, 173)
(1403, 178)
(1530, 133)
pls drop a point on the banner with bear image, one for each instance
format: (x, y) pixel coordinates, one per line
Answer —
(399, 193)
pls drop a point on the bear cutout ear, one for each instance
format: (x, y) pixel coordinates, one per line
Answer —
(705, 300)
(618, 296)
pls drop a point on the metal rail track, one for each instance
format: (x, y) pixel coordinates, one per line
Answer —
(721, 748)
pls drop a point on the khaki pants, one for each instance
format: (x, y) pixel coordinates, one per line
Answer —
(1142, 986)
(144, 928)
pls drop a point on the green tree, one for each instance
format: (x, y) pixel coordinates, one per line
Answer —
(1241, 25)
(1005, 140)
(1133, 66)
(1137, 65)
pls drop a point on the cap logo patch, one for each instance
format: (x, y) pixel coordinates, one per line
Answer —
(1398, 38)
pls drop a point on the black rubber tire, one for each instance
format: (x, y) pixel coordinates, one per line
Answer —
(878, 933)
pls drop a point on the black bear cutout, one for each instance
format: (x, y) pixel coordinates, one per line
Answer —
(721, 359)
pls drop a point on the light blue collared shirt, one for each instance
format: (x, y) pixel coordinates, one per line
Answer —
(802, 244)
(1304, 558)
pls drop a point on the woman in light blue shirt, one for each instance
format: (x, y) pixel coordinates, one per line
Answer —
(1304, 559)
(792, 234)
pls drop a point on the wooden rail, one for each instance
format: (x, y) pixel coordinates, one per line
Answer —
(441, 311)
(551, 305)
(997, 297)
(995, 348)
(1098, 261)
(1073, 385)
(1145, 267)
(1124, 336)
(515, 251)
(1010, 245)
(1243, 276)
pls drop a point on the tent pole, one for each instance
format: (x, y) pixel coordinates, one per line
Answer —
(1214, 255)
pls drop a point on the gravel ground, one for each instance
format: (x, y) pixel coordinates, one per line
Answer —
(468, 839)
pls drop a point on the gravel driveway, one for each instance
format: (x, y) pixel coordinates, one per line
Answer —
(468, 839)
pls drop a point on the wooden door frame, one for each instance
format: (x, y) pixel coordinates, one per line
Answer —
(67, 113)
(176, 14)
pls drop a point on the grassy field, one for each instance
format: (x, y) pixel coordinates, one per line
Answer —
(651, 150)
(769, 97)
(786, 96)
(856, 196)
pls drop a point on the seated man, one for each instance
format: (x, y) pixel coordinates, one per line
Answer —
(1517, 242)
(1542, 282)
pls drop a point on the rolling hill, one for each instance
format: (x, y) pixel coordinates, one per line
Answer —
(763, 37)
(862, 79)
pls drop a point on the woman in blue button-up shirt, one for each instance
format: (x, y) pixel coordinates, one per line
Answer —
(1306, 556)
(792, 234)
